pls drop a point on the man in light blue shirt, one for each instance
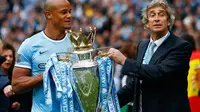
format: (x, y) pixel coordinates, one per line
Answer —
(35, 51)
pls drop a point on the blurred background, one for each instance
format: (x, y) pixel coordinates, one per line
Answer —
(117, 21)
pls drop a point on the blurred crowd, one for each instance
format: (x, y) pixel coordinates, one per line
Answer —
(117, 21)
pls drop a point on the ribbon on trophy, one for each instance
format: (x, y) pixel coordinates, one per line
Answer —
(108, 101)
(66, 93)
(66, 90)
(77, 104)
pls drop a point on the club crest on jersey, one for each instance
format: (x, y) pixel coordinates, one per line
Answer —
(18, 58)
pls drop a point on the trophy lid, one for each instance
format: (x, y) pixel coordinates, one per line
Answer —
(80, 41)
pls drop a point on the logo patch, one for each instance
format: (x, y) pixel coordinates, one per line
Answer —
(42, 52)
(18, 58)
(41, 65)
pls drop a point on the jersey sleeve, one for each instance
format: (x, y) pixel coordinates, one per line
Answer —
(24, 55)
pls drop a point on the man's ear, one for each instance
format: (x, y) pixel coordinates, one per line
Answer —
(147, 25)
(48, 15)
(168, 24)
(1, 46)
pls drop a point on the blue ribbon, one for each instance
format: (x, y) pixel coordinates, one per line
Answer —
(103, 85)
(108, 101)
(66, 90)
(50, 70)
(78, 106)
(109, 84)
(46, 83)
(67, 93)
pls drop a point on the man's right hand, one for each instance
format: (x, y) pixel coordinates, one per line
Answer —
(16, 105)
(117, 56)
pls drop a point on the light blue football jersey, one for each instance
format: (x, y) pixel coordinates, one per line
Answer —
(33, 54)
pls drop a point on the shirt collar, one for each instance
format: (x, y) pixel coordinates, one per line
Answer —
(161, 40)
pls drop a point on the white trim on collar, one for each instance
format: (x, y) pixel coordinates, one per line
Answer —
(52, 39)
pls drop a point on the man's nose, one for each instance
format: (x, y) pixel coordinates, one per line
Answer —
(68, 15)
(157, 18)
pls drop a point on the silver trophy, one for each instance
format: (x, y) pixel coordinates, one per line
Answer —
(85, 68)
(83, 76)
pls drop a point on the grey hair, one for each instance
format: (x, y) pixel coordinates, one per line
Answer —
(155, 3)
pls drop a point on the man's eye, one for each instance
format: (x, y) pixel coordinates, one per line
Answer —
(64, 12)
(152, 15)
(161, 14)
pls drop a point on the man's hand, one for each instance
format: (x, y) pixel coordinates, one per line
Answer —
(8, 91)
(16, 105)
(117, 56)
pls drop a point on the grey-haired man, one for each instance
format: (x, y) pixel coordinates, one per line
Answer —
(161, 66)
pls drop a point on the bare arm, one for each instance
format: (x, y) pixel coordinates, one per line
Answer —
(23, 82)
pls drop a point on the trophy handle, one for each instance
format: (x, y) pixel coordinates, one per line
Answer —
(66, 57)
(101, 52)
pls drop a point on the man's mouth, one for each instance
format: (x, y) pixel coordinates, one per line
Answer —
(67, 21)
(157, 25)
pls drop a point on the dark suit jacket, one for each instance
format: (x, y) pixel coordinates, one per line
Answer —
(164, 87)
(3, 78)
(4, 81)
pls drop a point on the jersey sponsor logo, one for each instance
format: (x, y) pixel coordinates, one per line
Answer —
(41, 65)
